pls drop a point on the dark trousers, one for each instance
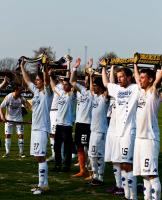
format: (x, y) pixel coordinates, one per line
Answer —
(63, 135)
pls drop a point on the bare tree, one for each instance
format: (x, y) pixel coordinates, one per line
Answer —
(7, 64)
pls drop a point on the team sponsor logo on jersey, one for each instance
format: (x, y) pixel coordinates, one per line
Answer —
(123, 94)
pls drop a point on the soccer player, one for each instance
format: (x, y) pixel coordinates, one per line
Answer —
(83, 118)
(13, 104)
(65, 119)
(41, 104)
(111, 145)
(99, 127)
(126, 95)
(147, 142)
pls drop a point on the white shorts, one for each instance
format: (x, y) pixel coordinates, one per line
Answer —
(9, 127)
(127, 148)
(97, 144)
(38, 143)
(146, 153)
(112, 148)
(53, 117)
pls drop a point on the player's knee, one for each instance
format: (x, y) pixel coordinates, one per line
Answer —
(127, 167)
(40, 159)
(20, 136)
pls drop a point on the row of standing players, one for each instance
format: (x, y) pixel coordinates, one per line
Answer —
(133, 125)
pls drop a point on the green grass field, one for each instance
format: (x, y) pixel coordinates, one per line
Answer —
(17, 176)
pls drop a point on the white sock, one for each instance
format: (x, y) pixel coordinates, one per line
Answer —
(52, 142)
(21, 145)
(42, 174)
(94, 166)
(8, 145)
(100, 177)
(46, 176)
(155, 188)
(101, 165)
(147, 189)
(125, 184)
(132, 183)
(117, 174)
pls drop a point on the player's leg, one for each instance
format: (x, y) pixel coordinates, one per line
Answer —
(38, 149)
(80, 136)
(57, 147)
(129, 181)
(101, 155)
(8, 132)
(52, 142)
(20, 133)
(93, 155)
(149, 168)
(52, 134)
(67, 138)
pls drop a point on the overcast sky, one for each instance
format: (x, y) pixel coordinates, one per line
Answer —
(122, 26)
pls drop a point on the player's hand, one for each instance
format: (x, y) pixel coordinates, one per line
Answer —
(90, 62)
(77, 63)
(23, 61)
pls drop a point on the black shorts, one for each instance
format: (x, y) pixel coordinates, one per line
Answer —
(82, 134)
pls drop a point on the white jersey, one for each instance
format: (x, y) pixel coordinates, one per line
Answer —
(54, 105)
(13, 107)
(147, 116)
(65, 113)
(99, 114)
(126, 105)
(112, 114)
(84, 105)
(41, 105)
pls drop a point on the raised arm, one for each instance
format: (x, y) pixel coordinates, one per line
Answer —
(53, 83)
(24, 73)
(158, 78)
(136, 74)
(73, 77)
(104, 77)
(112, 77)
(46, 76)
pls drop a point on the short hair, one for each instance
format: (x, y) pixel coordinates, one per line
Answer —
(67, 80)
(127, 71)
(16, 86)
(98, 82)
(150, 73)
